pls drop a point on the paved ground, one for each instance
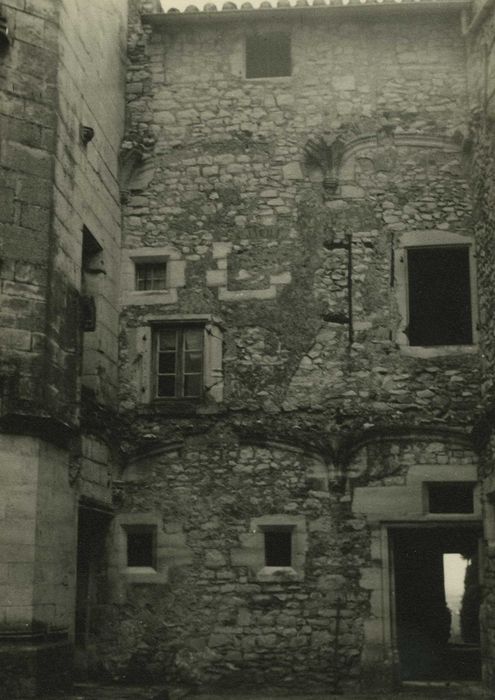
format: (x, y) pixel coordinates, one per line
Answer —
(453, 691)
(460, 692)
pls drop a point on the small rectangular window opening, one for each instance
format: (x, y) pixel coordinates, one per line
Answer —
(91, 268)
(91, 250)
(180, 359)
(151, 276)
(278, 547)
(439, 295)
(268, 55)
(141, 547)
(451, 498)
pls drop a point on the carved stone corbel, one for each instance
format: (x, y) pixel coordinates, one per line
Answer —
(326, 154)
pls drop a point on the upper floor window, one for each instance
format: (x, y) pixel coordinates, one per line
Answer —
(176, 361)
(268, 55)
(151, 276)
(179, 360)
(434, 276)
(439, 296)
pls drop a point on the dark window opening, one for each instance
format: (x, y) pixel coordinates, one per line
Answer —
(91, 250)
(91, 269)
(179, 362)
(278, 547)
(268, 55)
(88, 313)
(141, 547)
(151, 276)
(439, 296)
(450, 498)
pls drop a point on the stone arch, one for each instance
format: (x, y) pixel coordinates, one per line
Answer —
(366, 455)
(137, 465)
(393, 140)
(334, 154)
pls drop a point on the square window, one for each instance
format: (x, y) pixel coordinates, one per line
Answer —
(439, 296)
(268, 55)
(179, 362)
(278, 546)
(150, 276)
(141, 545)
(451, 497)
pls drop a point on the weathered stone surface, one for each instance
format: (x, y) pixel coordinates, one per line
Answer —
(50, 187)
(480, 149)
(252, 626)
(322, 406)
(303, 280)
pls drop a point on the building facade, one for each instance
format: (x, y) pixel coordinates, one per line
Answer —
(247, 362)
(62, 77)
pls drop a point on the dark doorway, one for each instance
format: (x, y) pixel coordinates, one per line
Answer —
(93, 524)
(434, 641)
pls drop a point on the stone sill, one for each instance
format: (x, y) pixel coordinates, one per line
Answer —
(463, 517)
(438, 350)
(278, 574)
(179, 407)
(144, 574)
(278, 78)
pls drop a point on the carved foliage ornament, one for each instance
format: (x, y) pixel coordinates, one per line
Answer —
(325, 153)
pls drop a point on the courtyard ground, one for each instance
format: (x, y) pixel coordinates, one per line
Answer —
(424, 691)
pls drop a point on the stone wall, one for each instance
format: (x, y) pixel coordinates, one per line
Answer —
(28, 73)
(63, 69)
(55, 75)
(38, 567)
(303, 278)
(49, 179)
(228, 169)
(215, 613)
(481, 82)
(480, 34)
(91, 93)
(211, 613)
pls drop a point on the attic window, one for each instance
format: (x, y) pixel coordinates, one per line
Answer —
(278, 546)
(451, 497)
(268, 55)
(439, 296)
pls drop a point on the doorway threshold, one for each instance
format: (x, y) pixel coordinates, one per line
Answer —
(445, 689)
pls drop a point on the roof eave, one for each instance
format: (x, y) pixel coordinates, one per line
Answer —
(365, 8)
